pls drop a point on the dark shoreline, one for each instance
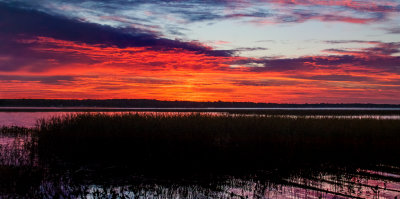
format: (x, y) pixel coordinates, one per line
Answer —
(147, 103)
(264, 111)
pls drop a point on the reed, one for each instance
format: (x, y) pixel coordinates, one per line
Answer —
(208, 140)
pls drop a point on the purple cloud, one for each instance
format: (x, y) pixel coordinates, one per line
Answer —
(55, 80)
(18, 24)
(16, 21)
(380, 57)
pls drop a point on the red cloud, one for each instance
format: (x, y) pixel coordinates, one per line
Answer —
(178, 74)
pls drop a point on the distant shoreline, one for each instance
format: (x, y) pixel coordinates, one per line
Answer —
(146, 104)
(249, 110)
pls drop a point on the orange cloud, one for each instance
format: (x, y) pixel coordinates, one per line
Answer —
(178, 74)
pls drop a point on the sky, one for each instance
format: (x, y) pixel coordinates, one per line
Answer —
(273, 51)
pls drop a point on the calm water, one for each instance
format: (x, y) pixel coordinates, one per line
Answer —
(29, 119)
(32, 114)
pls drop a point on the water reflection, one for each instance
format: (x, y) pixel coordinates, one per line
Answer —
(28, 119)
(22, 176)
(321, 186)
(375, 117)
(17, 150)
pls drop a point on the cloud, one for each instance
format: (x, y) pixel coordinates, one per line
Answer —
(86, 49)
(19, 53)
(262, 83)
(149, 80)
(54, 80)
(350, 41)
(250, 49)
(337, 78)
(167, 13)
(381, 57)
(358, 5)
(134, 58)
(301, 16)
(20, 29)
(16, 21)
(393, 30)
(267, 12)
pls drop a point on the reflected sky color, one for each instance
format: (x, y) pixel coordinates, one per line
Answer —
(282, 51)
(30, 119)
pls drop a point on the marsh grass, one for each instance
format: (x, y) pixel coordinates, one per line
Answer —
(18, 181)
(272, 111)
(14, 131)
(17, 147)
(215, 141)
(214, 155)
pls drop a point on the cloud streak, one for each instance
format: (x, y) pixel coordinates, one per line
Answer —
(145, 13)
(379, 58)
(55, 80)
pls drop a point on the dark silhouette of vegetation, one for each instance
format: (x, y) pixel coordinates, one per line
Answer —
(201, 155)
(209, 141)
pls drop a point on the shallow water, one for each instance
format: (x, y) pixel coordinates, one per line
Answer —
(28, 119)
(15, 150)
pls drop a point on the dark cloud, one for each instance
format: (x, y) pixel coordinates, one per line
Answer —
(112, 88)
(56, 80)
(300, 16)
(15, 55)
(150, 80)
(213, 90)
(194, 11)
(394, 30)
(381, 57)
(250, 49)
(270, 82)
(363, 6)
(213, 10)
(20, 24)
(337, 78)
(274, 64)
(205, 15)
(380, 48)
(200, 11)
(388, 64)
(16, 21)
(348, 41)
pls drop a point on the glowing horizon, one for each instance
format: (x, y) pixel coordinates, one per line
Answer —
(273, 51)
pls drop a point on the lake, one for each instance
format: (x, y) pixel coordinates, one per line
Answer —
(24, 175)
(27, 116)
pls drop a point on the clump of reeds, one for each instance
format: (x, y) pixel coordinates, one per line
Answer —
(14, 130)
(210, 140)
(16, 146)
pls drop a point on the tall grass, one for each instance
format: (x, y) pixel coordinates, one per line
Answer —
(16, 146)
(204, 140)
(14, 130)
